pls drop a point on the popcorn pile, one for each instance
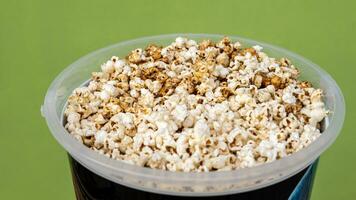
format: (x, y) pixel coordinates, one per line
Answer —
(196, 107)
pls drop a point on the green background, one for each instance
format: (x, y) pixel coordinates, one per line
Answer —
(38, 39)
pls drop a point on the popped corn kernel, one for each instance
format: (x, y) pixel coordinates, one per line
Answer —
(223, 59)
(180, 112)
(100, 137)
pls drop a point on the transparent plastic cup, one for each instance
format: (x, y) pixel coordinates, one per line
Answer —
(184, 183)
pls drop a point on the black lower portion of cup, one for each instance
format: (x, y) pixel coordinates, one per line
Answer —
(90, 186)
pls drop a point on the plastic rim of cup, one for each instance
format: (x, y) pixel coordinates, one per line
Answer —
(189, 183)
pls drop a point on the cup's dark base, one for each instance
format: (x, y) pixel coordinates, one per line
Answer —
(90, 186)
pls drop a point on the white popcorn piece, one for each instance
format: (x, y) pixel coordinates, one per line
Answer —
(93, 86)
(221, 71)
(134, 93)
(99, 119)
(237, 45)
(100, 137)
(201, 129)
(110, 89)
(126, 70)
(289, 98)
(108, 67)
(146, 98)
(218, 162)
(180, 112)
(180, 42)
(309, 134)
(257, 47)
(73, 118)
(191, 43)
(246, 156)
(190, 54)
(126, 119)
(104, 95)
(119, 65)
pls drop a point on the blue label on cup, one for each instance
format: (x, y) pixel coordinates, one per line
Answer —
(303, 190)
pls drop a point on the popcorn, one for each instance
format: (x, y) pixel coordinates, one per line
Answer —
(221, 71)
(119, 65)
(257, 48)
(223, 59)
(93, 86)
(104, 95)
(108, 67)
(99, 119)
(217, 162)
(110, 89)
(309, 134)
(182, 145)
(315, 111)
(180, 112)
(289, 98)
(246, 155)
(73, 118)
(100, 137)
(201, 129)
(190, 54)
(126, 119)
(146, 98)
(196, 107)
(134, 93)
(188, 122)
(180, 41)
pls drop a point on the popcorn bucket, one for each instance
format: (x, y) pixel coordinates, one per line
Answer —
(97, 177)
